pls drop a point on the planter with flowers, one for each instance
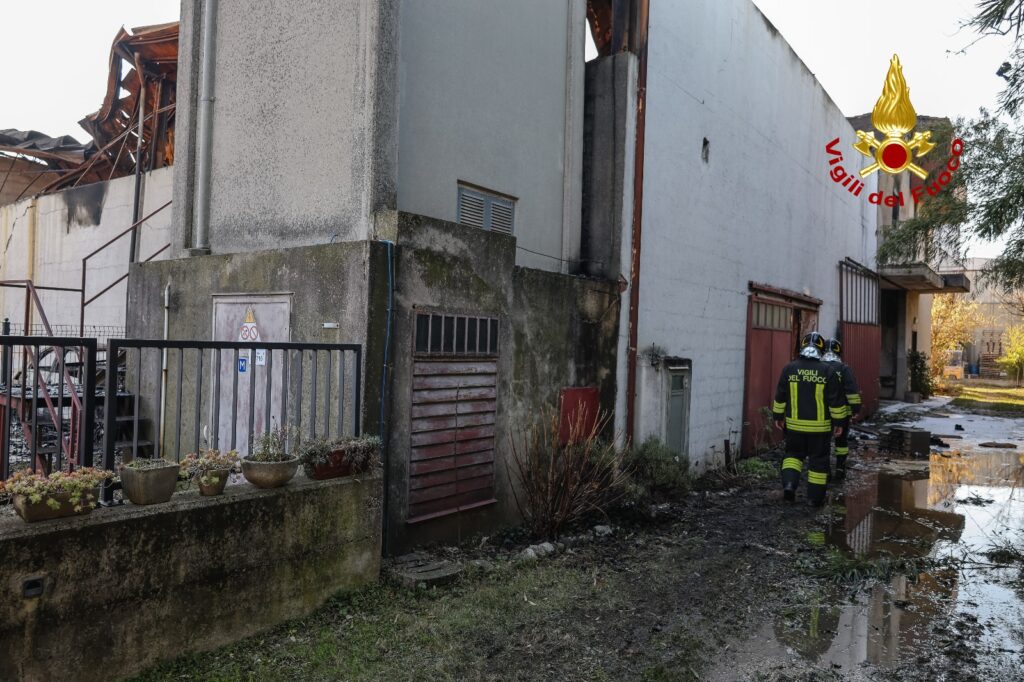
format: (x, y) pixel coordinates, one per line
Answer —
(268, 464)
(37, 497)
(323, 459)
(149, 480)
(209, 469)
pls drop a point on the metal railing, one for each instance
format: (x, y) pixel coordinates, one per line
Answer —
(32, 302)
(95, 331)
(180, 396)
(64, 391)
(132, 229)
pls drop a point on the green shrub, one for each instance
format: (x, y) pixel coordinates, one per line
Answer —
(656, 470)
(757, 468)
(920, 374)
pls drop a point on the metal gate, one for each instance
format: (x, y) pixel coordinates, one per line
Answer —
(859, 328)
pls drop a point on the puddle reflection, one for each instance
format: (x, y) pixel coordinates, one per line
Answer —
(956, 504)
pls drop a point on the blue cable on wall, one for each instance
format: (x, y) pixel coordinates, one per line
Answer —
(384, 435)
(387, 334)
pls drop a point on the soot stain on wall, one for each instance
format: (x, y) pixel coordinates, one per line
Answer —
(85, 204)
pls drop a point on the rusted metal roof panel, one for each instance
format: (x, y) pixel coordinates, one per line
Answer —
(143, 66)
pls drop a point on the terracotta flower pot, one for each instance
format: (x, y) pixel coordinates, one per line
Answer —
(336, 466)
(269, 474)
(150, 486)
(41, 511)
(213, 487)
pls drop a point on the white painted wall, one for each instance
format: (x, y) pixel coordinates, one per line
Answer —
(63, 237)
(763, 207)
(491, 93)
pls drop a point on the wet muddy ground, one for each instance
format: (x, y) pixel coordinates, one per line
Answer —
(958, 516)
(898, 578)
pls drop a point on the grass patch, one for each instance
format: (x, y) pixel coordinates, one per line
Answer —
(758, 469)
(514, 623)
(996, 399)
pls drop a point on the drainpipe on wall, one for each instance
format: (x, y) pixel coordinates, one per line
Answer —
(385, 383)
(639, 47)
(138, 172)
(163, 368)
(204, 118)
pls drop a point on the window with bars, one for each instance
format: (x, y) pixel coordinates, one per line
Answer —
(771, 316)
(486, 210)
(438, 334)
(859, 294)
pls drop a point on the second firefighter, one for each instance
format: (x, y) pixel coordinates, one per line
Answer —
(809, 401)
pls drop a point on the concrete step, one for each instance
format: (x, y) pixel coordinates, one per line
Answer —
(413, 570)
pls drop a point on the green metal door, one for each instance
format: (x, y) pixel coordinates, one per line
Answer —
(678, 411)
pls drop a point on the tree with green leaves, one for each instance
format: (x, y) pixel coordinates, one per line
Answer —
(954, 319)
(1013, 353)
(985, 198)
(1005, 17)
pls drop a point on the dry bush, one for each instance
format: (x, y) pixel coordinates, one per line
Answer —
(559, 484)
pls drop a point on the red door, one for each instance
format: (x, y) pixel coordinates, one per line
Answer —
(770, 343)
(861, 344)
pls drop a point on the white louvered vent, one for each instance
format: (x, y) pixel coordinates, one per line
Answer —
(471, 208)
(502, 213)
(478, 208)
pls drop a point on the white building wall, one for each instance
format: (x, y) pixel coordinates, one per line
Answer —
(45, 238)
(762, 208)
(491, 93)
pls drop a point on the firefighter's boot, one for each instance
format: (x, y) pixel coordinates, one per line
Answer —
(840, 466)
(791, 468)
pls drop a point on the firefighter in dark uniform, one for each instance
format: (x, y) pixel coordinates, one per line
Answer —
(833, 349)
(809, 401)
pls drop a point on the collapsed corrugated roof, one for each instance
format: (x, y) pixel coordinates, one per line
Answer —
(31, 158)
(34, 143)
(144, 60)
(152, 52)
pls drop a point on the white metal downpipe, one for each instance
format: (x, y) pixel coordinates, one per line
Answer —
(163, 369)
(204, 120)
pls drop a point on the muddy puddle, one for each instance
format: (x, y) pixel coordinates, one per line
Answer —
(947, 512)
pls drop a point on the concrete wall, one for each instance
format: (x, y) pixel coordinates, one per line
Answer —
(555, 331)
(609, 134)
(304, 137)
(46, 237)
(332, 283)
(127, 587)
(491, 93)
(761, 207)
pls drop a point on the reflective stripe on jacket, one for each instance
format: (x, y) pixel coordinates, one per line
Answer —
(809, 396)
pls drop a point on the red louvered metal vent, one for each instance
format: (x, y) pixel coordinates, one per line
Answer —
(454, 401)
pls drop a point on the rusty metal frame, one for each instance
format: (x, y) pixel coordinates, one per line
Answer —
(640, 19)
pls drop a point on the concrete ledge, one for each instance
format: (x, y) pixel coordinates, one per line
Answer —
(127, 587)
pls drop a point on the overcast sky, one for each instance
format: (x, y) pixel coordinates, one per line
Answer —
(850, 57)
(54, 58)
(54, 54)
